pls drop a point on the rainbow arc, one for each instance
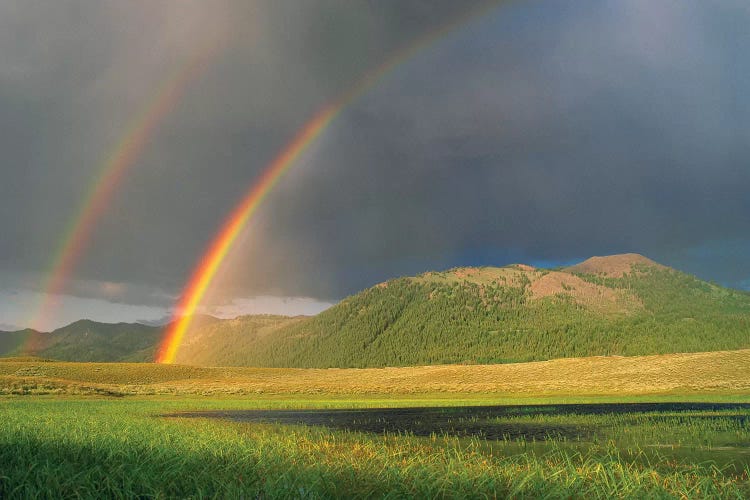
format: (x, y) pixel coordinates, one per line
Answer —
(209, 264)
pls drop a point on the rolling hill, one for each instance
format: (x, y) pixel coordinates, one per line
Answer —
(617, 305)
(211, 340)
(87, 340)
(12, 342)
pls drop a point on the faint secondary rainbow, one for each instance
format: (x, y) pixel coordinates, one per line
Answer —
(217, 251)
(102, 190)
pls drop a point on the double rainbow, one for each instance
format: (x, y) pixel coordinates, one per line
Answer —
(217, 251)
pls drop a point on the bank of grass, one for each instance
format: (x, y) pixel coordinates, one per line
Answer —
(114, 442)
(722, 372)
(116, 448)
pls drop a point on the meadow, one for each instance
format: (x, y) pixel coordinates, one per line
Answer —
(126, 447)
(715, 373)
(94, 430)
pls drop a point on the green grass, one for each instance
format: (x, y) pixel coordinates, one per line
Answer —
(95, 448)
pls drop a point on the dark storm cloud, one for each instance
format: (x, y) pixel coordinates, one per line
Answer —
(544, 131)
(75, 74)
(550, 132)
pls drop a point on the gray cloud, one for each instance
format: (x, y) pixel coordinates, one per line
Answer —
(77, 73)
(549, 132)
(544, 131)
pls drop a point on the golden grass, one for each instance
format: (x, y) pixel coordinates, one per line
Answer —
(723, 372)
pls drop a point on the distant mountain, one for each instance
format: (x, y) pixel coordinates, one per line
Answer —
(212, 341)
(154, 322)
(87, 340)
(12, 342)
(616, 305)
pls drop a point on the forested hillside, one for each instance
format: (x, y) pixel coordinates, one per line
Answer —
(86, 340)
(518, 313)
(618, 305)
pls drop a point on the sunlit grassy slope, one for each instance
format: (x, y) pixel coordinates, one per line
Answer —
(228, 342)
(726, 372)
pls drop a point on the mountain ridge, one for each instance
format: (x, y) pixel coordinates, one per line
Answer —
(623, 304)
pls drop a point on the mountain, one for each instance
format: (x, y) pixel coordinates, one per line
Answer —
(87, 340)
(616, 305)
(12, 342)
(212, 341)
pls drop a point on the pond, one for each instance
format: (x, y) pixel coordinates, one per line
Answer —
(488, 422)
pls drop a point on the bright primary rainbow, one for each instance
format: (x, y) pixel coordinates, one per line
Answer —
(212, 259)
(101, 192)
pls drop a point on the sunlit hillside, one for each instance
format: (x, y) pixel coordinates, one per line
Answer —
(620, 305)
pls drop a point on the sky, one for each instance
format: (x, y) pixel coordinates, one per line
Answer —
(541, 132)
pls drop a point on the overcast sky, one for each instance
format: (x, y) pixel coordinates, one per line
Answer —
(541, 132)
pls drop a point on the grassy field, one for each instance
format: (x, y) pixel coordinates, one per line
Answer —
(124, 448)
(86, 430)
(726, 372)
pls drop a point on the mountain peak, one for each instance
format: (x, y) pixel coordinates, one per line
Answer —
(613, 266)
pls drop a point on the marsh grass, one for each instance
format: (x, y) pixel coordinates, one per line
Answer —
(122, 448)
(93, 445)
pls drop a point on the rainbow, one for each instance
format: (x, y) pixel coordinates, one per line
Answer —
(102, 190)
(222, 243)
